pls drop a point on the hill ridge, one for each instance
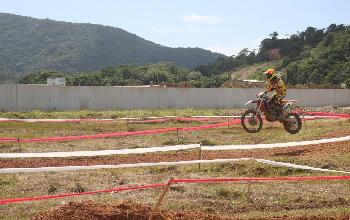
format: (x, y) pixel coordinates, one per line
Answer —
(32, 44)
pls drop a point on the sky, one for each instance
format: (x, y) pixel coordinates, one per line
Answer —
(224, 26)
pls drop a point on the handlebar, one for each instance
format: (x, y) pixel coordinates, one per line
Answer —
(260, 95)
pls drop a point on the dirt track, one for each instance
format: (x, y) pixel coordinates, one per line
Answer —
(86, 210)
(329, 148)
(124, 211)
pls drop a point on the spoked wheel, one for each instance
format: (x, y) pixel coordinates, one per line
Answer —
(292, 123)
(251, 121)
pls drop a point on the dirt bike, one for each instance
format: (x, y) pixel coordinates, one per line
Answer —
(252, 122)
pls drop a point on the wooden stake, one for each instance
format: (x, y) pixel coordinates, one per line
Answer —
(177, 134)
(19, 145)
(200, 157)
(166, 189)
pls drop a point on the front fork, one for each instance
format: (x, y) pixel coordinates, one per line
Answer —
(257, 109)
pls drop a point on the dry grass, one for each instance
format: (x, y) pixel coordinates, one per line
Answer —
(228, 199)
(267, 200)
(271, 133)
(119, 113)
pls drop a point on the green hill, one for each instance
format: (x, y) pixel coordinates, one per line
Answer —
(313, 56)
(29, 44)
(251, 71)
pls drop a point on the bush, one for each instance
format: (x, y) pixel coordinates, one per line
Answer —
(207, 142)
(347, 83)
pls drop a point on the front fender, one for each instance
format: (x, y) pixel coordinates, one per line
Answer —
(251, 101)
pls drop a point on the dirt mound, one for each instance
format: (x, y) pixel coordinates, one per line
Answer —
(123, 211)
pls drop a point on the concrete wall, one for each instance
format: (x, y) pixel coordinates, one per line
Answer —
(61, 98)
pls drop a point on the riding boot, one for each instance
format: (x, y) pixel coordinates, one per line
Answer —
(279, 109)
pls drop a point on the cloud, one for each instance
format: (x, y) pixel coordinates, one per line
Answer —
(206, 19)
(228, 51)
(173, 30)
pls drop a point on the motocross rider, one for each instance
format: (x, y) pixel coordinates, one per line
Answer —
(275, 83)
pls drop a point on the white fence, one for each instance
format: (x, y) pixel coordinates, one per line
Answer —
(61, 98)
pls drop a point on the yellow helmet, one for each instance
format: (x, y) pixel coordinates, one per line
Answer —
(270, 71)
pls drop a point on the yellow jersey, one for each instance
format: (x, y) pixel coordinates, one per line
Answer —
(276, 84)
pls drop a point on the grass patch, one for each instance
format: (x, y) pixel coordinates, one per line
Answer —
(176, 142)
(218, 136)
(119, 113)
(228, 193)
(206, 142)
(163, 170)
(227, 198)
(251, 169)
(52, 188)
(78, 188)
(131, 129)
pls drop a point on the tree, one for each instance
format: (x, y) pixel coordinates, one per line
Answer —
(274, 35)
(194, 75)
(315, 76)
(335, 28)
(40, 77)
(312, 35)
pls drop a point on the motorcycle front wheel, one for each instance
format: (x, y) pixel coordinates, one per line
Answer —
(251, 121)
(292, 123)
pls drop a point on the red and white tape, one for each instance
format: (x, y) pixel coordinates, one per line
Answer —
(27, 199)
(173, 163)
(203, 180)
(327, 114)
(170, 148)
(119, 134)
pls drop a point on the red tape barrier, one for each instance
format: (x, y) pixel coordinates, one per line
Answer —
(250, 179)
(8, 139)
(243, 179)
(97, 136)
(61, 121)
(325, 114)
(14, 200)
(120, 134)
(112, 120)
(145, 132)
(152, 120)
(177, 119)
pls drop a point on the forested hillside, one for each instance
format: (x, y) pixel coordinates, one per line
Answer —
(133, 75)
(316, 56)
(29, 45)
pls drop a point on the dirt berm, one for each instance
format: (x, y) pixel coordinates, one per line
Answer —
(86, 210)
